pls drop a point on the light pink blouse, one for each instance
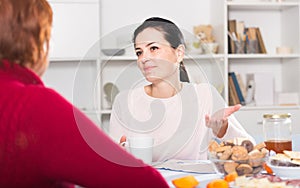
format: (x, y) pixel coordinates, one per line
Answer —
(176, 123)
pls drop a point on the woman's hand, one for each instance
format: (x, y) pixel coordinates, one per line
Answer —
(122, 140)
(218, 122)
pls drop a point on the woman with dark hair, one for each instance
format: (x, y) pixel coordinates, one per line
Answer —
(181, 117)
(44, 140)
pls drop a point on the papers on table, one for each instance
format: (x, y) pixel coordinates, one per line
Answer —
(194, 166)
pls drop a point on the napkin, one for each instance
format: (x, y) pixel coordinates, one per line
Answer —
(195, 166)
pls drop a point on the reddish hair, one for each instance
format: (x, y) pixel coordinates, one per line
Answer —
(25, 28)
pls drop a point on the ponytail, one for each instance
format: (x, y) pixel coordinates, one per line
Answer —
(184, 77)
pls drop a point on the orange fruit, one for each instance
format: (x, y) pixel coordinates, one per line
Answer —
(218, 183)
(185, 182)
(267, 168)
(231, 177)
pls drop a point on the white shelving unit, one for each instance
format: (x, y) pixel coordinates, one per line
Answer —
(280, 26)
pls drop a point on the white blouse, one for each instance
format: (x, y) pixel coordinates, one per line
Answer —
(177, 124)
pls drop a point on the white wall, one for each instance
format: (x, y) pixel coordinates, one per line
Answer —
(115, 15)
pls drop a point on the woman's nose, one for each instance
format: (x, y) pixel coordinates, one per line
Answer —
(144, 60)
(146, 56)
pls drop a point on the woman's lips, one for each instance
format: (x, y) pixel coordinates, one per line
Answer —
(149, 68)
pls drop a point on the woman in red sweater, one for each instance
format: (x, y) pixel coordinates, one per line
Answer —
(44, 140)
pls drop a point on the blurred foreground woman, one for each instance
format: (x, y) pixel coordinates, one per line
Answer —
(44, 140)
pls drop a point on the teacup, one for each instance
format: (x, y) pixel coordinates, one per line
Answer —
(140, 147)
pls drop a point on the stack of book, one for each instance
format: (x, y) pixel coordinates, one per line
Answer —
(243, 40)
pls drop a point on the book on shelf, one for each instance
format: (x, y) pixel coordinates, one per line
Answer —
(232, 32)
(237, 88)
(240, 30)
(241, 84)
(251, 41)
(261, 44)
(233, 97)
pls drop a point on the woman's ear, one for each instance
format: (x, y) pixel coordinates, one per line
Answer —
(180, 50)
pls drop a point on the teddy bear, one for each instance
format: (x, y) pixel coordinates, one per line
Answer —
(204, 33)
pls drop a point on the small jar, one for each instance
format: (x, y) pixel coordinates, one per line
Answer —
(277, 130)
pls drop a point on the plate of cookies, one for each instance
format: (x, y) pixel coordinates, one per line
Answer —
(286, 164)
(238, 155)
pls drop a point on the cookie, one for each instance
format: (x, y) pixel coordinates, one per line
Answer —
(226, 154)
(213, 145)
(244, 169)
(260, 146)
(239, 153)
(230, 167)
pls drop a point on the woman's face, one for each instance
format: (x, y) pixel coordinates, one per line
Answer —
(157, 60)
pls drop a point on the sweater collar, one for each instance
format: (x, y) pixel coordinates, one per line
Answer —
(19, 73)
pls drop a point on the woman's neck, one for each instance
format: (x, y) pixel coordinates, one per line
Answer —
(163, 89)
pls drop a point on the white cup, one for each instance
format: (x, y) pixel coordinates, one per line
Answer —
(140, 147)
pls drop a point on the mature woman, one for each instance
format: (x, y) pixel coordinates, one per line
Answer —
(182, 117)
(44, 140)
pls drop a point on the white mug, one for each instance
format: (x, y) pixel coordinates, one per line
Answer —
(140, 147)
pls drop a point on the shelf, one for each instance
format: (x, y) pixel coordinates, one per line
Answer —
(118, 58)
(203, 56)
(86, 111)
(70, 59)
(187, 56)
(262, 56)
(96, 112)
(254, 108)
(256, 5)
(105, 112)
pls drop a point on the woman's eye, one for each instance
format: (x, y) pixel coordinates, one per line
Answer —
(138, 53)
(153, 48)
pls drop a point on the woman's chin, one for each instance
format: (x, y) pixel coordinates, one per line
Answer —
(151, 79)
(152, 76)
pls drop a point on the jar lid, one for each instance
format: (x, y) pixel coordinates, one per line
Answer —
(277, 116)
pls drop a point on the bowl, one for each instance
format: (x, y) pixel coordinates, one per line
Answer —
(286, 164)
(244, 167)
(243, 157)
(286, 172)
(113, 51)
(210, 48)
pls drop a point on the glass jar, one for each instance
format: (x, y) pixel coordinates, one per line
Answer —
(277, 130)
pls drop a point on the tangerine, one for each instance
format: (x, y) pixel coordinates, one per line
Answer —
(231, 176)
(185, 182)
(218, 183)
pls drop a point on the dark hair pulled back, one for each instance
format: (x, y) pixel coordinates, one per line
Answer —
(171, 33)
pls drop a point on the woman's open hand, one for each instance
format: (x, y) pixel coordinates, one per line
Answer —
(218, 122)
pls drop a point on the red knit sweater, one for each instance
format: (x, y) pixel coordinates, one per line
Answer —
(46, 142)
